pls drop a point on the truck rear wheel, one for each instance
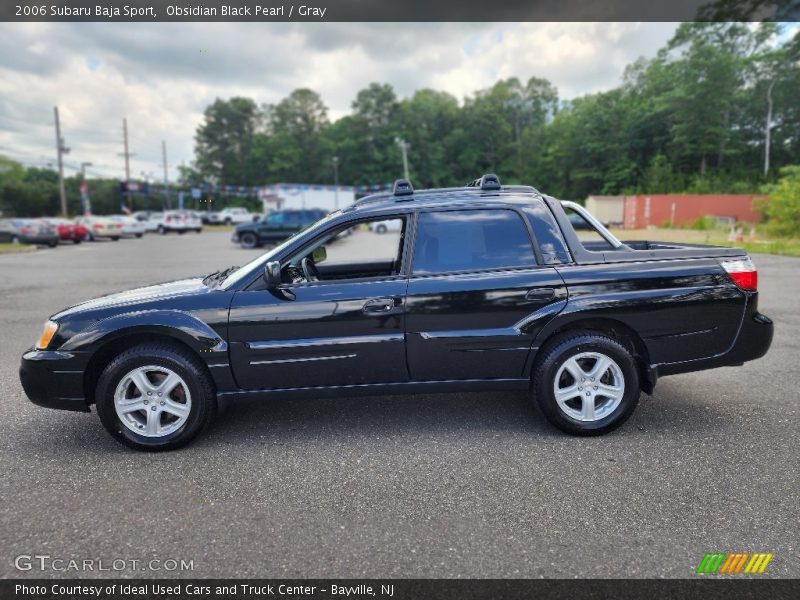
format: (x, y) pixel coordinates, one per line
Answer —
(586, 384)
(248, 240)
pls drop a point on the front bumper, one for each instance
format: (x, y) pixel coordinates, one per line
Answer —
(54, 379)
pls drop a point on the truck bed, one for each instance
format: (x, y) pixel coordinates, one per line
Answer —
(636, 250)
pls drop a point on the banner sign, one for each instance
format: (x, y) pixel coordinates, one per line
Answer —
(86, 205)
(134, 187)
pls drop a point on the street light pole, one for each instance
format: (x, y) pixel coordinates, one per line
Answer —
(83, 170)
(61, 149)
(404, 146)
(336, 182)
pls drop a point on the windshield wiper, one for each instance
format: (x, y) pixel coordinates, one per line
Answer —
(218, 276)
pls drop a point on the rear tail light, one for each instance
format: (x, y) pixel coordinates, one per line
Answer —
(119, 225)
(168, 219)
(26, 229)
(743, 272)
(97, 226)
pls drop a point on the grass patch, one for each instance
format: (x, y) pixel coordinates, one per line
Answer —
(714, 237)
(216, 227)
(16, 248)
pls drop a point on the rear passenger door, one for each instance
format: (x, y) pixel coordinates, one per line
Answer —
(477, 295)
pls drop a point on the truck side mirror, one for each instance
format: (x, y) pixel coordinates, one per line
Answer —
(272, 273)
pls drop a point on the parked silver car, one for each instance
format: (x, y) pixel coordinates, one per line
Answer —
(30, 231)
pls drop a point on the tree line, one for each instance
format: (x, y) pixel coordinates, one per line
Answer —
(715, 110)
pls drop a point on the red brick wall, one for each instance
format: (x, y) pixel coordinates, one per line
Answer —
(654, 209)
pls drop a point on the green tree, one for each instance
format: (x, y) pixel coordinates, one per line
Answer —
(224, 141)
(295, 147)
(782, 208)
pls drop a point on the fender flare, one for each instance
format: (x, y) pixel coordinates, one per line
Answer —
(181, 325)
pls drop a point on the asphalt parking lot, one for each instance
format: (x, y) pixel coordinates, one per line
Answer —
(466, 485)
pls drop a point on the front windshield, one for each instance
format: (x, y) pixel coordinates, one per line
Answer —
(260, 261)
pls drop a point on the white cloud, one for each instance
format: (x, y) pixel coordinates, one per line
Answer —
(158, 77)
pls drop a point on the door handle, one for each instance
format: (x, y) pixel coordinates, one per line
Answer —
(540, 294)
(378, 305)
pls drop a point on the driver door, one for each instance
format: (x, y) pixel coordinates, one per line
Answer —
(346, 329)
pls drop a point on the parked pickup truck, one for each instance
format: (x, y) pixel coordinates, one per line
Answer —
(486, 287)
(232, 215)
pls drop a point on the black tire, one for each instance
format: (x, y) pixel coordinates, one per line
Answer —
(228, 222)
(52, 244)
(15, 239)
(161, 230)
(138, 235)
(114, 238)
(181, 231)
(188, 367)
(76, 241)
(556, 353)
(381, 228)
(248, 240)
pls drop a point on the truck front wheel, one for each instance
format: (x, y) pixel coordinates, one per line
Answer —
(586, 383)
(155, 397)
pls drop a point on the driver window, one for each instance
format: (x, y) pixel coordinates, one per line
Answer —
(364, 250)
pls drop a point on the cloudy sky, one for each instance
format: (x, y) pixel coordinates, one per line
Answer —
(162, 76)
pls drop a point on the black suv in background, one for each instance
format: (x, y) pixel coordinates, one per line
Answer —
(275, 227)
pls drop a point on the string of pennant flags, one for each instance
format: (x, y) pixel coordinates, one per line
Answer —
(288, 188)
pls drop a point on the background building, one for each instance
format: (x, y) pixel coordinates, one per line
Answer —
(608, 209)
(298, 195)
(682, 209)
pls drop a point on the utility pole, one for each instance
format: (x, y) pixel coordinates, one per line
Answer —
(336, 182)
(166, 175)
(404, 146)
(61, 149)
(127, 156)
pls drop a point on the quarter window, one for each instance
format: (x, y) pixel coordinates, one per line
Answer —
(471, 240)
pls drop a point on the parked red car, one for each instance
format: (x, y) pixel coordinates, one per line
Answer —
(67, 230)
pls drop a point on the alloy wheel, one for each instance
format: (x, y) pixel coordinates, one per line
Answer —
(152, 401)
(589, 386)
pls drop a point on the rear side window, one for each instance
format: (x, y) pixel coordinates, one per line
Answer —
(547, 234)
(471, 240)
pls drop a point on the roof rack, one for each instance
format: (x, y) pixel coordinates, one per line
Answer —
(403, 191)
(402, 187)
(489, 181)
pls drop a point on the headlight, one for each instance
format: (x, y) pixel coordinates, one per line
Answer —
(50, 329)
